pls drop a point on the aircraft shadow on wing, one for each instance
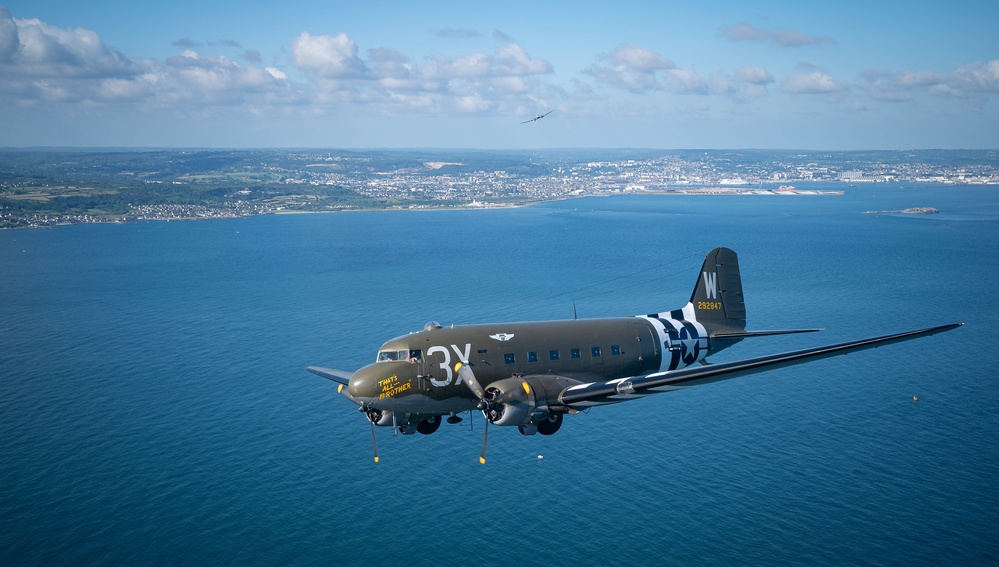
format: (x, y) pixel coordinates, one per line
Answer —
(531, 374)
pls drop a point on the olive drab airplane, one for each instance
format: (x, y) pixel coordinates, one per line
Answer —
(531, 374)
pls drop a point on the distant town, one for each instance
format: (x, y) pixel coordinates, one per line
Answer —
(42, 187)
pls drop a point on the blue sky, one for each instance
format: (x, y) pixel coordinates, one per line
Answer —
(835, 76)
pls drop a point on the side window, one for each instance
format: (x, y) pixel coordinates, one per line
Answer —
(615, 350)
(532, 357)
(574, 353)
(416, 355)
(595, 351)
(509, 358)
(553, 355)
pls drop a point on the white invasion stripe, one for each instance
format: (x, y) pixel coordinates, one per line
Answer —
(660, 328)
(688, 312)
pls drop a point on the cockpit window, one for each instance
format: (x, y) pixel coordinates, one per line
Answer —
(412, 356)
(390, 355)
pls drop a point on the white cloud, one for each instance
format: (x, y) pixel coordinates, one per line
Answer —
(631, 68)
(969, 82)
(512, 60)
(638, 59)
(978, 77)
(920, 78)
(331, 75)
(685, 81)
(754, 75)
(812, 83)
(746, 83)
(32, 48)
(327, 56)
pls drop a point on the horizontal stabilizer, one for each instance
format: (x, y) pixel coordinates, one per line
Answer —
(744, 334)
(339, 376)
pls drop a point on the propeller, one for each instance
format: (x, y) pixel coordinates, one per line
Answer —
(342, 378)
(373, 415)
(485, 404)
(374, 441)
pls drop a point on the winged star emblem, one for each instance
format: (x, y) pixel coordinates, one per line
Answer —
(502, 337)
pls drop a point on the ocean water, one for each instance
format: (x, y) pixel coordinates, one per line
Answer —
(154, 406)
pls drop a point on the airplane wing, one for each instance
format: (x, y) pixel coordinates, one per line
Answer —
(614, 391)
(339, 376)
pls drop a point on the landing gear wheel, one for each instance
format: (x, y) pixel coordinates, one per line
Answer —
(550, 424)
(429, 425)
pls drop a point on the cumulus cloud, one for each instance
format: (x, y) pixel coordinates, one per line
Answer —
(631, 68)
(978, 77)
(971, 83)
(330, 73)
(513, 60)
(389, 63)
(41, 63)
(206, 76)
(745, 83)
(754, 75)
(639, 70)
(30, 47)
(509, 61)
(812, 83)
(330, 57)
(784, 37)
(685, 81)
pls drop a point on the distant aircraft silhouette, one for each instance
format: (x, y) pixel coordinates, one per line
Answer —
(537, 117)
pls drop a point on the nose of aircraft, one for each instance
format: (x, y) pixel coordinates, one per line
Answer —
(365, 384)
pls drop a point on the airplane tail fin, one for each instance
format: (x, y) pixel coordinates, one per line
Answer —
(717, 300)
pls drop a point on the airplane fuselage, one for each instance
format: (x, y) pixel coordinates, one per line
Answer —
(415, 372)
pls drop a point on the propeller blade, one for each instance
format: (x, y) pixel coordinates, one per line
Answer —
(468, 377)
(485, 439)
(374, 441)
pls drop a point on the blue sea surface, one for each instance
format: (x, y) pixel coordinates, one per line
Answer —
(154, 406)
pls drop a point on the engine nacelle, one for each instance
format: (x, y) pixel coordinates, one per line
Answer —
(525, 400)
(514, 401)
(385, 420)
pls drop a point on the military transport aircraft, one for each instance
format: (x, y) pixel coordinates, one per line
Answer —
(531, 374)
(537, 117)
